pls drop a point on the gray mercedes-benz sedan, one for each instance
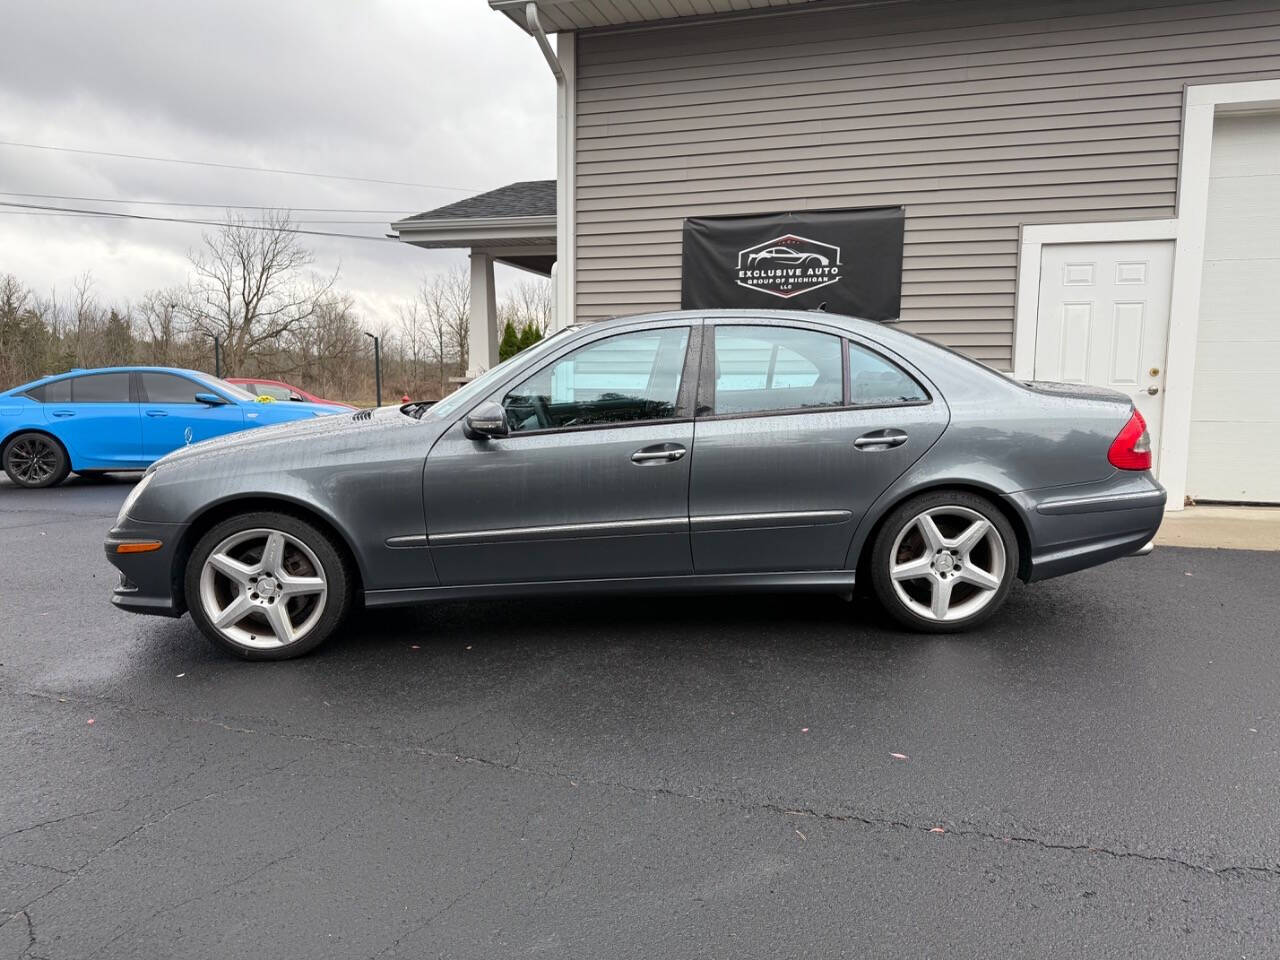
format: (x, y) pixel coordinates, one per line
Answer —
(689, 451)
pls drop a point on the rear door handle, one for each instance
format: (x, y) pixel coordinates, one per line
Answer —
(157, 413)
(660, 453)
(881, 440)
(64, 413)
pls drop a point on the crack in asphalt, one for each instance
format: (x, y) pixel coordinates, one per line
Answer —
(471, 891)
(70, 876)
(1251, 871)
(234, 881)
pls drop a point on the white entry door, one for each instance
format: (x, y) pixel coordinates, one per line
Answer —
(1104, 319)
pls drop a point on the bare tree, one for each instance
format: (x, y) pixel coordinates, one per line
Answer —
(438, 331)
(414, 342)
(455, 286)
(252, 284)
(160, 319)
(528, 303)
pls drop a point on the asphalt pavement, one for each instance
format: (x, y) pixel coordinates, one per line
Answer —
(1093, 774)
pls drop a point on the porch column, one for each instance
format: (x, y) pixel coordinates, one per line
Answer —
(483, 353)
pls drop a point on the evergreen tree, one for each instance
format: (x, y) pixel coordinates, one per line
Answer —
(529, 336)
(510, 343)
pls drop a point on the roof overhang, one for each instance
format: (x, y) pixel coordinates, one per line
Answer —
(453, 232)
(559, 15)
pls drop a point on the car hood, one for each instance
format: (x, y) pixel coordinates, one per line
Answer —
(305, 441)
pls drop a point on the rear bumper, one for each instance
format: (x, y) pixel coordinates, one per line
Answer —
(1074, 528)
(149, 582)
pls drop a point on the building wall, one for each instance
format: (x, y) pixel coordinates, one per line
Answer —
(977, 116)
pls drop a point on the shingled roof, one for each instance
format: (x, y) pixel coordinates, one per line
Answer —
(529, 198)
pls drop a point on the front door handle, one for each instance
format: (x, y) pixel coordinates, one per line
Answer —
(661, 453)
(881, 440)
(64, 413)
(157, 413)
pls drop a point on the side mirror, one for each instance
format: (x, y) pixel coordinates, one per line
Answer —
(485, 422)
(295, 397)
(210, 399)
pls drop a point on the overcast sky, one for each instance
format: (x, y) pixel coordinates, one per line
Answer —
(427, 91)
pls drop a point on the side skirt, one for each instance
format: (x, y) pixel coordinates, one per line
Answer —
(822, 581)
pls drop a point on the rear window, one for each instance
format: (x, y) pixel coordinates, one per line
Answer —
(100, 388)
(58, 391)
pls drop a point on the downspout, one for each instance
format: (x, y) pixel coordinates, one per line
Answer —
(563, 274)
(534, 23)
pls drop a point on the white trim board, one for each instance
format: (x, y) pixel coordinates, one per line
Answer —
(1200, 105)
(565, 278)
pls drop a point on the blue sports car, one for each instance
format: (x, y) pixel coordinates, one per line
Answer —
(123, 418)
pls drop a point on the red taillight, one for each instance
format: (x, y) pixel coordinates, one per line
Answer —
(1131, 449)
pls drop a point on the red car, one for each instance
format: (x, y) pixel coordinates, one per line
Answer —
(279, 390)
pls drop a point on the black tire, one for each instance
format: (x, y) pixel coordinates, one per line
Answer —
(960, 507)
(334, 569)
(34, 460)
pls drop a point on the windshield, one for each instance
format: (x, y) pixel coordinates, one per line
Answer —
(482, 384)
(230, 389)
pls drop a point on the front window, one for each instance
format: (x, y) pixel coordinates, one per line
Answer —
(762, 369)
(169, 388)
(455, 402)
(628, 378)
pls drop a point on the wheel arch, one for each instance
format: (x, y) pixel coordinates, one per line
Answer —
(44, 432)
(870, 530)
(214, 513)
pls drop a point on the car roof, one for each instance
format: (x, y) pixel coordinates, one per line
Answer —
(854, 324)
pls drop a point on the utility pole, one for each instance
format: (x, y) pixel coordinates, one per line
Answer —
(217, 356)
(377, 365)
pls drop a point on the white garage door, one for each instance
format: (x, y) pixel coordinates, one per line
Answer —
(1235, 409)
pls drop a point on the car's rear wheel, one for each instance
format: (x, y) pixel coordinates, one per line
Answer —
(267, 586)
(944, 561)
(35, 460)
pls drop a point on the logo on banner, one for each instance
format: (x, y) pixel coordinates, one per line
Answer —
(788, 266)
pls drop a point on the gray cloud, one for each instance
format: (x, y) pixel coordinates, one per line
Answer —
(429, 91)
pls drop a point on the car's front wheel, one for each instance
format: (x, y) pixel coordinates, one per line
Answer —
(267, 586)
(35, 460)
(944, 561)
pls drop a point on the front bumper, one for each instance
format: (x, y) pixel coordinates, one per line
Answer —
(149, 582)
(1074, 528)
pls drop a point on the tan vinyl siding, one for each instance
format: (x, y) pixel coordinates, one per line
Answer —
(975, 115)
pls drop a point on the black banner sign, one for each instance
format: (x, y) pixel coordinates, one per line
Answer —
(851, 260)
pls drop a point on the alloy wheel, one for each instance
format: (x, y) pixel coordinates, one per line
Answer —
(947, 563)
(33, 460)
(263, 589)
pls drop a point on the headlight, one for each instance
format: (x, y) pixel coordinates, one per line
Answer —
(132, 498)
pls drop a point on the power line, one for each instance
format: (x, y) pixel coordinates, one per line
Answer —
(109, 214)
(113, 215)
(394, 211)
(234, 166)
